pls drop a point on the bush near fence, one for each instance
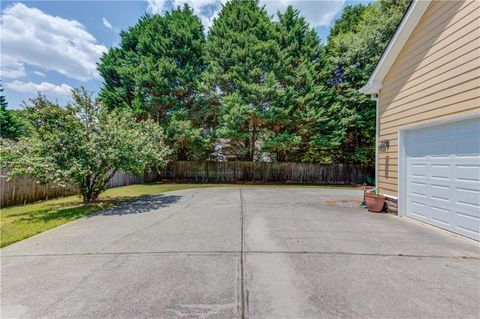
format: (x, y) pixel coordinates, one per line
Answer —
(26, 189)
(266, 172)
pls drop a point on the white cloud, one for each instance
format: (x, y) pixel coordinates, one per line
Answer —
(30, 36)
(11, 68)
(316, 12)
(44, 87)
(157, 6)
(206, 10)
(107, 23)
(39, 73)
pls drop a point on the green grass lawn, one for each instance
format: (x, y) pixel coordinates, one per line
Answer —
(20, 222)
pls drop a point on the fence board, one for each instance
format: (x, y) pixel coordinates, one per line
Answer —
(266, 172)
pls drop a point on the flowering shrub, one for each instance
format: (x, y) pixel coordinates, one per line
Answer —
(83, 144)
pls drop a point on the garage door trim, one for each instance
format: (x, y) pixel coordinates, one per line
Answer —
(402, 178)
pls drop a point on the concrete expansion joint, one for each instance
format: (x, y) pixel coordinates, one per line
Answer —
(243, 275)
(246, 252)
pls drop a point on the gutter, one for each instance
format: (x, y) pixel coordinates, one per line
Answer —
(377, 135)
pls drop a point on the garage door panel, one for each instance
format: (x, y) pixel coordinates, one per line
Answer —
(468, 214)
(418, 188)
(467, 146)
(421, 136)
(418, 151)
(419, 196)
(417, 208)
(468, 225)
(440, 132)
(468, 196)
(418, 171)
(440, 192)
(440, 214)
(443, 176)
(440, 171)
(441, 149)
(468, 128)
(467, 173)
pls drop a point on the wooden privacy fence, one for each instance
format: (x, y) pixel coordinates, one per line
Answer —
(266, 172)
(25, 189)
(125, 178)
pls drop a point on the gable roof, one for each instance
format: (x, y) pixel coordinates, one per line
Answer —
(410, 20)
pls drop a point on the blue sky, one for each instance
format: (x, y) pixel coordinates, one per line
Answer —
(52, 46)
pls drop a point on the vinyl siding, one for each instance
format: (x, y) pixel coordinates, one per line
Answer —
(435, 76)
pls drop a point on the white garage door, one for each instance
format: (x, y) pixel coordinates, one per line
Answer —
(443, 176)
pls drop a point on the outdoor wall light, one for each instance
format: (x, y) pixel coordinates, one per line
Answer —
(384, 145)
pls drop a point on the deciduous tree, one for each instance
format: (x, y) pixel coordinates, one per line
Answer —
(83, 144)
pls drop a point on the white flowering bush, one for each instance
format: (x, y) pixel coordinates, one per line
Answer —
(83, 144)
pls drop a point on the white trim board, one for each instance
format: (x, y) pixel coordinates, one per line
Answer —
(407, 25)
(390, 196)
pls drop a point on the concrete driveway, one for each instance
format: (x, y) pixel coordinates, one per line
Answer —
(256, 252)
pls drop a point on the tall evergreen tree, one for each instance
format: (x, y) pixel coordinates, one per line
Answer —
(156, 72)
(241, 52)
(296, 116)
(157, 65)
(3, 100)
(265, 87)
(11, 124)
(355, 45)
(351, 16)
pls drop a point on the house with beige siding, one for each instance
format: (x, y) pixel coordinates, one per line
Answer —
(427, 88)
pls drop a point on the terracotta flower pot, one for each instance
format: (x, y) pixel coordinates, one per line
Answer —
(374, 202)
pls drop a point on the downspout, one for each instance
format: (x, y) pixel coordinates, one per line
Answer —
(377, 123)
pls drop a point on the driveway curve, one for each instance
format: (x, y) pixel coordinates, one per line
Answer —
(241, 252)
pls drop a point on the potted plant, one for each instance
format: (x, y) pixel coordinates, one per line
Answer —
(375, 201)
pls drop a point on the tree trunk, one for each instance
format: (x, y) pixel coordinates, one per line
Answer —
(96, 184)
(247, 154)
(89, 197)
(254, 140)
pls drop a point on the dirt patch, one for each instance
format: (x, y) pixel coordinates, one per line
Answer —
(344, 202)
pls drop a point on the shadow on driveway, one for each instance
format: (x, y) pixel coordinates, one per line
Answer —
(140, 205)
